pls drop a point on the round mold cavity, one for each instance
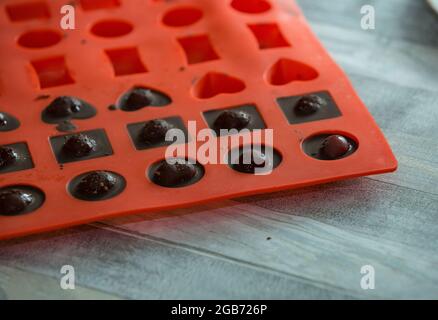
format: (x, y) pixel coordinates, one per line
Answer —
(117, 188)
(251, 6)
(182, 17)
(37, 39)
(8, 122)
(312, 146)
(172, 180)
(271, 157)
(111, 28)
(33, 199)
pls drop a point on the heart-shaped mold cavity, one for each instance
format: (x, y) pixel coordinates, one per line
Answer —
(285, 71)
(215, 83)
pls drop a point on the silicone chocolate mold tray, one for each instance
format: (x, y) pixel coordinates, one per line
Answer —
(84, 111)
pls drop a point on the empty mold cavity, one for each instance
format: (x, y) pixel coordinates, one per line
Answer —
(183, 16)
(198, 49)
(251, 6)
(268, 35)
(126, 61)
(214, 83)
(285, 71)
(39, 39)
(52, 72)
(111, 28)
(28, 11)
(99, 4)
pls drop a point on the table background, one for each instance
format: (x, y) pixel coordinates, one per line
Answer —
(308, 243)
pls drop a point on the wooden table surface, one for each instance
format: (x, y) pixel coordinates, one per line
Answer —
(308, 243)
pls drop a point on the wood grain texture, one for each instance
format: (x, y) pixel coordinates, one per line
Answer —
(308, 243)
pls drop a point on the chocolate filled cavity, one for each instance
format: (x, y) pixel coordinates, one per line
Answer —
(308, 105)
(335, 147)
(63, 109)
(178, 173)
(139, 98)
(16, 200)
(3, 120)
(250, 160)
(7, 156)
(13, 202)
(154, 131)
(8, 122)
(97, 185)
(79, 145)
(257, 159)
(232, 119)
(329, 146)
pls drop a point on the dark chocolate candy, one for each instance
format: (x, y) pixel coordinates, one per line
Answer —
(64, 109)
(20, 199)
(249, 161)
(232, 119)
(308, 105)
(154, 131)
(97, 185)
(8, 122)
(14, 201)
(7, 156)
(178, 173)
(66, 126)
(335, 147)
(139, 98)
(329, 146)
(3, 120)
(174, 174)
(254, 159)
(79, 145)
(15, 157)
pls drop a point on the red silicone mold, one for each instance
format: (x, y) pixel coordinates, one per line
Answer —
(204, 55)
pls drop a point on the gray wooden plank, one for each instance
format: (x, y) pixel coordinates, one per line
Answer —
(19, 284)
(138, 267)
(412, 21)
(396, 61)
(381, 211)
(330, 253)
(317, 243)
(409, 119)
